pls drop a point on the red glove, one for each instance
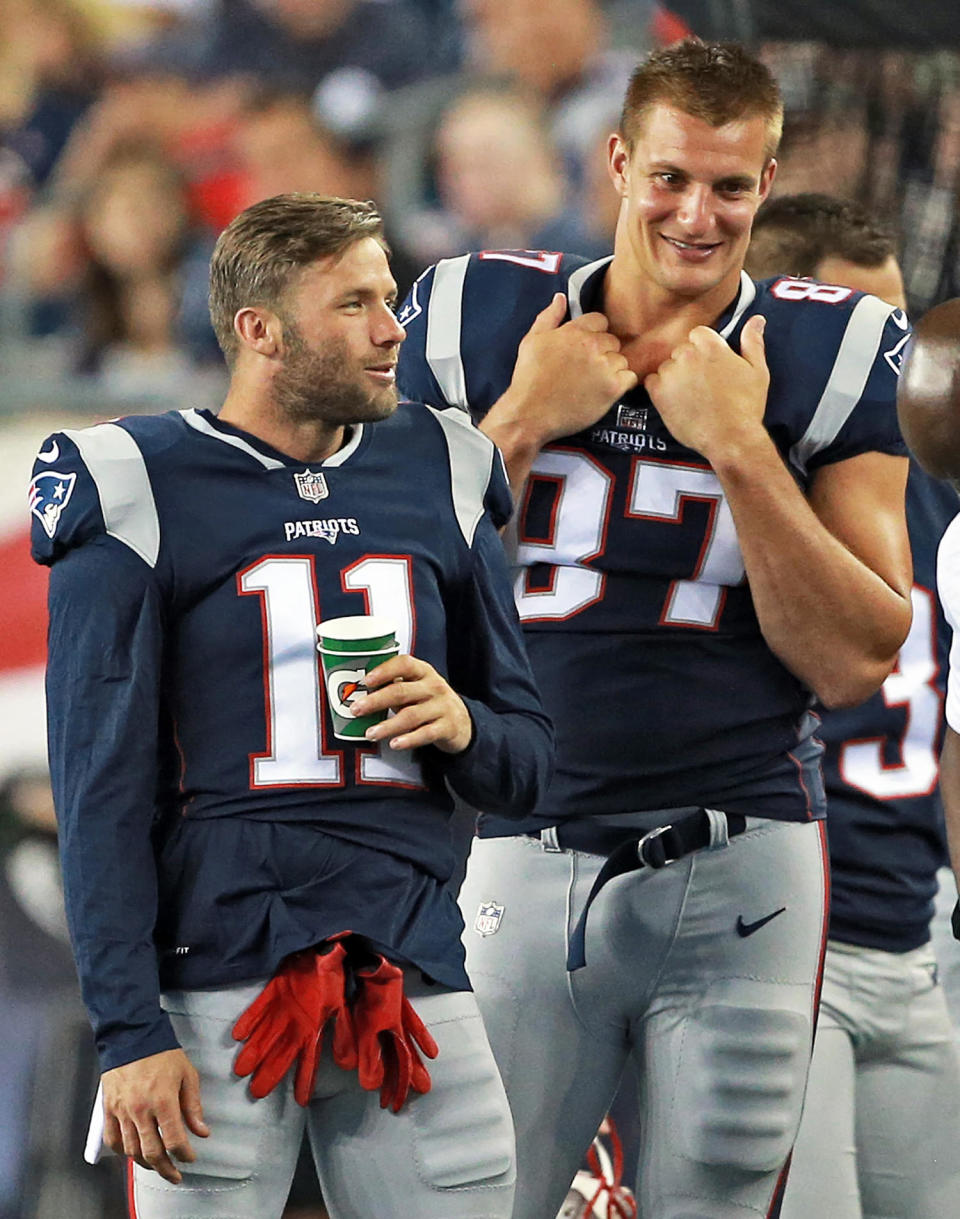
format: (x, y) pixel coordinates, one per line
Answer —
(388, 1032)
(285, 1022)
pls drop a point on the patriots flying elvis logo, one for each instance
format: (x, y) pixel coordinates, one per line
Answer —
(50, 493)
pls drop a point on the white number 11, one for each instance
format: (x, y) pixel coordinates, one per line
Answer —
(298, 728)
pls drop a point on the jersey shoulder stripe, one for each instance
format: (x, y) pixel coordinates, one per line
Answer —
(443, 329)
(108, 491)
(473, 464)
(848, 378)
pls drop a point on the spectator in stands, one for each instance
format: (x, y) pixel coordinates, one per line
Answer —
(500, 180)
(562, 54)
(280, 145)
(350, 51)
(50, 70)
(123, 279)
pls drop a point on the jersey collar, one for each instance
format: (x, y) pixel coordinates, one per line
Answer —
(208, 424)
(585, 286)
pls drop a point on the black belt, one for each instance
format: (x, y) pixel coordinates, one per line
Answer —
(663, 845)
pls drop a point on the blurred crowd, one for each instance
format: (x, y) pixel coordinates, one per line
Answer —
(131, 131)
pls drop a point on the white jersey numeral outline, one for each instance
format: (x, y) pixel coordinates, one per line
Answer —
(299, 733)
(912, 685)
(578, 531)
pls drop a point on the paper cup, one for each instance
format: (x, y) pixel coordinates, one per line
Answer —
(350, 648)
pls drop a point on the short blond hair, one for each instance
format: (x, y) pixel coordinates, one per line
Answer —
(718, 82)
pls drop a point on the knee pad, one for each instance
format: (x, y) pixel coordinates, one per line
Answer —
(741, 1082)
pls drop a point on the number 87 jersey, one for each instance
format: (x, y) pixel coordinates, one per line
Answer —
(630, 582)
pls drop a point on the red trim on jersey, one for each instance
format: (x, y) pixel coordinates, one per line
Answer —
(365, 592)
(547, 261)
(361, 751)
(683, 498)
(776, 1202)
(798, 288)
(803, 786)
(131, 1195)
(267, 700)
(558, 482)
(530, 589)
(586, 559)
(825, 924)
(937, 688)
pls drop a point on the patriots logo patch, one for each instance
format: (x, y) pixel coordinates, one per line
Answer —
(412, 308)
(488, 919)
(50, 493)
(894, 357)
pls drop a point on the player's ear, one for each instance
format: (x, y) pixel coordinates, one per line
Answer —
(618, 161)
(766, 178)
(258, 329)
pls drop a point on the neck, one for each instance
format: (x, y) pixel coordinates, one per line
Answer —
(306, 441)
(650, 321)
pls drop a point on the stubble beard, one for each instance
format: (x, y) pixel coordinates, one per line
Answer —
(320, 387)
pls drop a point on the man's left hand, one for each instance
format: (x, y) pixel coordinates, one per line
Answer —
(428, 711)
(711, 399)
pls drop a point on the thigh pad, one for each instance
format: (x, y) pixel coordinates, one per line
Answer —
(740, 1085)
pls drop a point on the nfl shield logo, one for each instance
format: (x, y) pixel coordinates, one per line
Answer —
(488, 918)
(633, 418)
(311, 486)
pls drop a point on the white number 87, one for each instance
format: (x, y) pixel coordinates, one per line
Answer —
(578, 529)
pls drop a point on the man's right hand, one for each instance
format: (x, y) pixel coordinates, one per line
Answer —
(148, 1107)
(567, 376)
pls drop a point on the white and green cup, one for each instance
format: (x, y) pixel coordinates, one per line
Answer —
(350, 648)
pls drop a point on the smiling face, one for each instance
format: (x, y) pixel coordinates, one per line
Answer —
(689, 192)
(340, 340)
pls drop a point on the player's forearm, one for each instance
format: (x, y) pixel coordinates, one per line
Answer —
(517, 438)
(831, 620)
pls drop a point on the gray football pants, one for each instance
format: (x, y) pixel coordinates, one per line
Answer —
(448, 1154)
(945, 947)
(719, 1023)
(880, 1134)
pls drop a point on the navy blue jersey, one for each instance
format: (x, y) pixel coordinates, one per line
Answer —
(884, 815)
(630, 579)
(208, 816)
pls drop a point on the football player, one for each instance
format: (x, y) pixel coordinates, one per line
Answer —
(882, 1111)
(233, 872)
(710, 528)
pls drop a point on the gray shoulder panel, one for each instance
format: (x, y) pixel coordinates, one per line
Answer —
(443, 329)
(848, 377)
(119, 473)
(471, 455)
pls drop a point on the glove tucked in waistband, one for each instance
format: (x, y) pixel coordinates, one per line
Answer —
(375, 1028)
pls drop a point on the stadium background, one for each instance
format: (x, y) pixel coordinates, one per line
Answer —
(131, 131)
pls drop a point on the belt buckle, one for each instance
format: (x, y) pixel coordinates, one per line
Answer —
(652, 836)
